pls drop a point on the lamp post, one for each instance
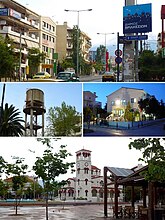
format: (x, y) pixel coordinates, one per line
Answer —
(105, 34)
(78, 12)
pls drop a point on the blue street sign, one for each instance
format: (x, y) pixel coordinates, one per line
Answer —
(118, 60)
(136, 37)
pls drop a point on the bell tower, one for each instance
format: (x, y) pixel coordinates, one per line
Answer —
(83, 174)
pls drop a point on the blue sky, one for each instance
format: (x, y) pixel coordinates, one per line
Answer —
(104, 89)
(54, 94)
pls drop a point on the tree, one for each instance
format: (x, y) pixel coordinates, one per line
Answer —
(152, 107)
(63, 121)
(147, 59)
(35, 58)
(153, 154)
(50, 166)
(11, 122)
(18, 170)
(8, 60)
(128, 114)
(2, 165)
(100, 57)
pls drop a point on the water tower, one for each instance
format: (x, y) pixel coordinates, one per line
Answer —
(34, 109)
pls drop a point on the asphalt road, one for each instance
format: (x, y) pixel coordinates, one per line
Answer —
(150, 130)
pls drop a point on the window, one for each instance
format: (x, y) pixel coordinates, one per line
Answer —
(112, 103)
(86, 182)
(86, 170)
(43, 36)
(123, 102)
(133, 100)
(94, 192)
(86, 192)
(78, 181)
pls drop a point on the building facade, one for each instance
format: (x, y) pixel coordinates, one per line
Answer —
(89, 100)
(88, 183)
(65, 44)
(21, 25)
(118, 101)
(48, 44)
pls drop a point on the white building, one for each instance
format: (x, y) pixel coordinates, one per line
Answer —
(118, 100)
(88, 183)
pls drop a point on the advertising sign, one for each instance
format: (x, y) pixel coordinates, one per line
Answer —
(137, 18)
(3, 11)
(15, 14)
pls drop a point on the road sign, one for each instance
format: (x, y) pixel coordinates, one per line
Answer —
(118, 60)
(118, 53)
(122, 40)
(136, 37)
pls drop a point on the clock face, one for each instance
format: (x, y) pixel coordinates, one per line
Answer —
(86, 164)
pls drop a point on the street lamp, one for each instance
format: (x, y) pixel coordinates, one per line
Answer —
(105, 34)
(78, 12)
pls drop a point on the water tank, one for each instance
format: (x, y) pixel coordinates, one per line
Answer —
(35, 101)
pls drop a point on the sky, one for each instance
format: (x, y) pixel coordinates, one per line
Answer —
(104, 89)
(54, 94)
(107, 151)
(105, 17)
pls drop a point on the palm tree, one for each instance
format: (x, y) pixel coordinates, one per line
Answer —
(11, 122)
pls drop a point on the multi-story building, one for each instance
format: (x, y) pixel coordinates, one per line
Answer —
(88, 183)
(28, 29)
(86, 45)
(48, 44)
(65, 44)
(89, 100)
(64, 41)
(21, 25)
(118, 100)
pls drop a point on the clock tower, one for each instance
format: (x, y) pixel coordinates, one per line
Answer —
(83, 174)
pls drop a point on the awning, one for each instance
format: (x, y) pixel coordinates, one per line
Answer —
(17, 39)
(31, 44)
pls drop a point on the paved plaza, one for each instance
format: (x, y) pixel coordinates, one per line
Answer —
(83, 212)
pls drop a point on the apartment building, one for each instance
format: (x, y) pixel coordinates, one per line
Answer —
(21, 25)
(48, 44)
(65, 44)
(64, 41)
(28, 29)
(118, 100)
(85, 47)
(89, 100)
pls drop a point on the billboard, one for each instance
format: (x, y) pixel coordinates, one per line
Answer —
(137, 19)
(3, 11)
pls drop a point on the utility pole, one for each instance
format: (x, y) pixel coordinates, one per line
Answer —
(128, 55)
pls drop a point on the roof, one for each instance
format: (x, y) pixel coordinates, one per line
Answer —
(94, 168)
(83, 150)
(125, 89)
(120, 172)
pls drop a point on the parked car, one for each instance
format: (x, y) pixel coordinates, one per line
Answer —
(108, 76)
(42, 75)
(68, 76)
